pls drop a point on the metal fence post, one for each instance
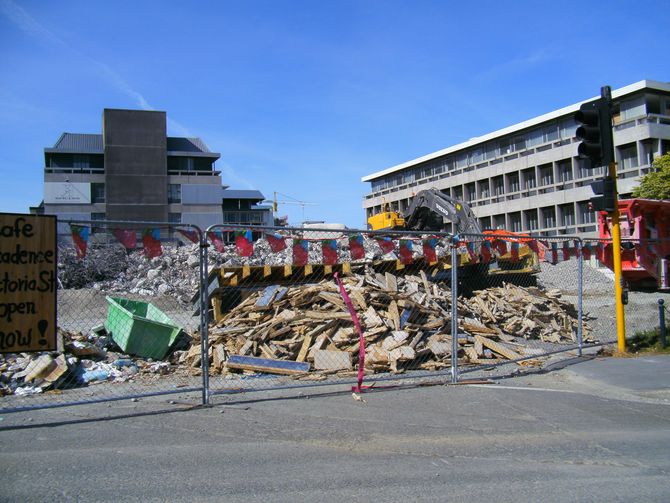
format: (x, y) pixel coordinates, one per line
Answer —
(580, 294)
(454, 310)
(661, 321)
(204, 322)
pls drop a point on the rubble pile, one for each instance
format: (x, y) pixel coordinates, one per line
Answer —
(85, 360)
(110, 268)
(406, 323)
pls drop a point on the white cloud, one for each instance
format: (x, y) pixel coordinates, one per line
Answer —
(25, 22)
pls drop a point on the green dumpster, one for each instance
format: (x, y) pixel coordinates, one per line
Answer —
(140, 328)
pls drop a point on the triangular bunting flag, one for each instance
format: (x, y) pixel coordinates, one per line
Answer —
(300, 251)
(429, 246)
(405, 251)
(190, 234)
(128, 238)
(501, 247)
(566, 250)
(276, 242)
(329, 250)
(386, 244)
(151, 240)
(515, 251)
(356, 247)
(578, 249)
(554, 253)
(470, 247)
(244, 243)
(216, 237)
(486, 251)
(80, 239)
(586, 251)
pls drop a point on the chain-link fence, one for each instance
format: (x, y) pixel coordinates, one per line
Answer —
(306, 306)
(128, 312)
(157, 308)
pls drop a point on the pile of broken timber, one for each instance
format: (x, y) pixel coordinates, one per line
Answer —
(406, 320)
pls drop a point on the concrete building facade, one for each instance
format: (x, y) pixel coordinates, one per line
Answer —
(527, 177)
(132, 172)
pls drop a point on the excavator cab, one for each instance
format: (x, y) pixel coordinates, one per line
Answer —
(386, 219)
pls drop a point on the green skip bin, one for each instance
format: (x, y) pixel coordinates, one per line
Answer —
(140, 328)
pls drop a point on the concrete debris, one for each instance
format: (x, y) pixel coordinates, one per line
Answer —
(110, 268)
(88, 359)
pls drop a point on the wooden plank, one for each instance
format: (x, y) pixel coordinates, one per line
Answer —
(426, 285)
(218, 356)
(498, 348)
(332, 360)
(246, 271)
(304, 348)
(327, 269)
(216, 308)
(288, 270)
(394, 314)
(308, 269)
(391, 282)
(325, 315)
(346, 268)
(266, 365)
(267, 271)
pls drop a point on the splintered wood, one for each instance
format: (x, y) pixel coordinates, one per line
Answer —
(406, 322)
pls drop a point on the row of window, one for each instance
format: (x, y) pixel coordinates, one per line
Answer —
(86, 162)
(559, 130)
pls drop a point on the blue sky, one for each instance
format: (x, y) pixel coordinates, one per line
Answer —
(306, 97)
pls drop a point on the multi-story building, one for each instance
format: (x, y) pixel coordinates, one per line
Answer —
(527, 177)
(132, 171)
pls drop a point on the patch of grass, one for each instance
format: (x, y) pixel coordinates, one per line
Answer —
(649, 342)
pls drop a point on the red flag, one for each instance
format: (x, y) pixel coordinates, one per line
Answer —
(276, 242)
(515, 251)
(470, 246)
(534, 246)
(600, 251)
(554, 253)
(152, 243)
(80, 239)
(356, 247)
(501, 246)
(190, 234)
(300, 253)
(216, 237)
(386, 244)
(586, 251)
(566, 250)
(486, 251)
(429, 246)
(329, 250)
(577, 249)
(127, 238)
(244, 243)
(405, 251)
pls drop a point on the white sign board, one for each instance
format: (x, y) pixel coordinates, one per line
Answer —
(67, 193)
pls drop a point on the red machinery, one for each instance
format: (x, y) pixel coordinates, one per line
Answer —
(645, 238)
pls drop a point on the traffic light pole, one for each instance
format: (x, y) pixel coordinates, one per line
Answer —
(616, 255)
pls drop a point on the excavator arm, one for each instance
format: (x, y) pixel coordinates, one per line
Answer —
(430, 209)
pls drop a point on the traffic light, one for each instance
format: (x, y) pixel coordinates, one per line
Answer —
(604, 189)
(595, 132)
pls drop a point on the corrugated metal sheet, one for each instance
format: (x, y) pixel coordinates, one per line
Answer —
(79, 142)
(255, 195)
(177, 144)
(92, 143)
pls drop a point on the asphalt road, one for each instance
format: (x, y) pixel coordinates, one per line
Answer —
(597, 430)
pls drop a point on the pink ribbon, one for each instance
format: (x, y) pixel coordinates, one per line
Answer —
(361, 340)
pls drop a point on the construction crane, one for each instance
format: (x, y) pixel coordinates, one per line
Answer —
(276, 202)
